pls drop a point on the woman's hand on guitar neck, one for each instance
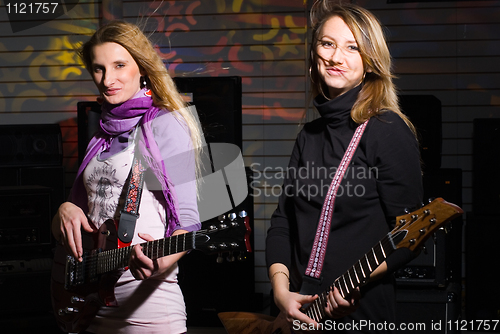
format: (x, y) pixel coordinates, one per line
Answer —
(338, 307)
(290, 304)
(142, 267)
(66, 228)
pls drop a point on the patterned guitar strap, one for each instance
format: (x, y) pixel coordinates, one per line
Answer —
(312, 276)
(130, 212)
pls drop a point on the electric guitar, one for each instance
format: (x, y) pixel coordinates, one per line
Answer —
(411, 231)
(79, 289)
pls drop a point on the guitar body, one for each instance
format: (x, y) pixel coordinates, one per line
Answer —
(79, 289)
(75, 306)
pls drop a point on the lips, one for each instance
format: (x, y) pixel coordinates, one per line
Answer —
(334, 70)
(111, 92)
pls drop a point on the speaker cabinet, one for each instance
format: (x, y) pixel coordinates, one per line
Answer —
(485, 166)
(213, 284)
(29, 197)
(25, 218)
(424, 112)
(30, 145)
(51, 177)
(25, 291)
(88, 116)
(218, 103)
(428, 310)
(482, 291)
(440, 262)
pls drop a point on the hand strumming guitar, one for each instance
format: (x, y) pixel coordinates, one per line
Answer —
(66, 228)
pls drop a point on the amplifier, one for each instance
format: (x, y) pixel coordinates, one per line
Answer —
(482, 291)
(440, 261)
(26, 300)
(234, 276)
(30, 145)
(218, 104)
(51, 177)
(26, 266)
(425, 113)
(428, 310)
(25, 217)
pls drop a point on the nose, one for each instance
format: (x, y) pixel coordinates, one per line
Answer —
(107, 79)
(336, 55)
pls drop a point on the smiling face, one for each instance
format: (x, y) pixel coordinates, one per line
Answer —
(338, 60)
(115, 73)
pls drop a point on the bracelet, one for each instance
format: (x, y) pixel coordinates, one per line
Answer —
(281, 272)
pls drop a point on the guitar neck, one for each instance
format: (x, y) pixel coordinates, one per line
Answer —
(355, 277)
(118, 258)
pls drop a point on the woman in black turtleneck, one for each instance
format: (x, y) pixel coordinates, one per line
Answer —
(350, 74)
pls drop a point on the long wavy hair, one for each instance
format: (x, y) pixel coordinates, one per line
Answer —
(164, 92)
(379, 92)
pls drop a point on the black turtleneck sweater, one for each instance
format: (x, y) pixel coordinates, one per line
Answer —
(383, 179)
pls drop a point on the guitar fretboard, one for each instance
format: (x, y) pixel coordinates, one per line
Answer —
(94, 265)
(118, 258)
(355, 277)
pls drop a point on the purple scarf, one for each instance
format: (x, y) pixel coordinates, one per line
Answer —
(118, 120)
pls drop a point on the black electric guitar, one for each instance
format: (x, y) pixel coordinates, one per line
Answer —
(411, 231)
(78, 289)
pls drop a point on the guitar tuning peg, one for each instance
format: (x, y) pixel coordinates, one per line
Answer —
(422, 204)
(242, 257)
(221, 218)
(230, 257)
(231, 216)
(220, 259)
(424, 249)
(431, 199)
(243, 214)
(406, 210)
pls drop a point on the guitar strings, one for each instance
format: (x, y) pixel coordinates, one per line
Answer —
(316, 310)
(104, 261)
(108, 260)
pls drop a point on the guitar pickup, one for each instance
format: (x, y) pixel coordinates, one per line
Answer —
(76, 299)
(67, 310)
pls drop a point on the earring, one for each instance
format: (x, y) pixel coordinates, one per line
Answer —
(144, 83)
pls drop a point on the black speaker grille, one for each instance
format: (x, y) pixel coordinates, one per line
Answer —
(30, 145)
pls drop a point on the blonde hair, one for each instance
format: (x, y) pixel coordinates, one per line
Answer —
(379, 92)
(164, 91)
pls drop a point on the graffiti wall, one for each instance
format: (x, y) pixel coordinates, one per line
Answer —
(448, 49)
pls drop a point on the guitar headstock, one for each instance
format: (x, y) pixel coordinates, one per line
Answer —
(414, 228)
(228, 233)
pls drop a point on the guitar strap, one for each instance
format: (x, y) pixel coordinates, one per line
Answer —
(130, 212)
(312, 276)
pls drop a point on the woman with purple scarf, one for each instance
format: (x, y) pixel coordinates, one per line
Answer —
(143, 117)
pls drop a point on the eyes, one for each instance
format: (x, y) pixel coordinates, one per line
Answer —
(326, 44)
(99, 68)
